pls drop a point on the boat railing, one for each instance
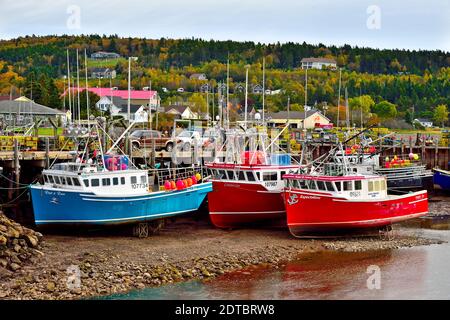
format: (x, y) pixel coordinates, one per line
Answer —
(161, 176)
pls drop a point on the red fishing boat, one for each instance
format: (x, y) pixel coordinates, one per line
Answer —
(249, 193)
(328, 205)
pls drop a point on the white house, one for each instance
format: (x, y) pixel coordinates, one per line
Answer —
(198, 76)
(102, 73)
(424, 122)
(117, 106)
(181, 112)
(318, 63)
(298, 119)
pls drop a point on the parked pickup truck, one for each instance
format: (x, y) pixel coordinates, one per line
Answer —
(145, 139)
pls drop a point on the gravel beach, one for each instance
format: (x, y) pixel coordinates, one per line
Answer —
(184, 250)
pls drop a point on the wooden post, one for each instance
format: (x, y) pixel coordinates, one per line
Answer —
(436, 158)
(47, 152)
(16, 164)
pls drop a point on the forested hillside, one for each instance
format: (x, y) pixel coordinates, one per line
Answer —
(416, 81)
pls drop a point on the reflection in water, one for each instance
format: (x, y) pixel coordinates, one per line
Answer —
(414, 273)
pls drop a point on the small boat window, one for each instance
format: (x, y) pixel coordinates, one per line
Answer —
(115, 181)
(230, 175)
(57, 180)
(133, 180)
(50, 179)
(45, 178)
(143, 179)
(63, 180)
(321, 185)
(310, 184)
(295, 184)
(86, 182)
(106, 182)
(384, 184)
(338, 185)
(348, 185)
(95, 182)
(358, 185)
(329, 186)
(76, 182)
(221, 174)
(376, 185)
(241, 175)
(270, 176)
(122, 180)
(250, 176)
(370, 186)
(69, 181)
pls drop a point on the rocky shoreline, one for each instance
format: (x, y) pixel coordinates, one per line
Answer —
(18, 245)
(183, 251)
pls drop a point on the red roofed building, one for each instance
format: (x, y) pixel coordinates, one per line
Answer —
(147, 98)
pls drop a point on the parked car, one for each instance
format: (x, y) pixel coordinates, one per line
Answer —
(146, 139)
(190, 138)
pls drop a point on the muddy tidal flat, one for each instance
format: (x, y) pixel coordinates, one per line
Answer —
(109, 263)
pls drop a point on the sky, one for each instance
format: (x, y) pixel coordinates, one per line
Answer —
(403, 24)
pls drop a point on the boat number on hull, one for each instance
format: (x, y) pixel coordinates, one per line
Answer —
(270, 184)
(293, 199)
(355, 194)
(139, 186)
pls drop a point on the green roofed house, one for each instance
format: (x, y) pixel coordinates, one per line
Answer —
(23, 111)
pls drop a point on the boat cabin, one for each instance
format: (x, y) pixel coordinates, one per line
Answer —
(268, 176)
(88, 178)
(348, 187)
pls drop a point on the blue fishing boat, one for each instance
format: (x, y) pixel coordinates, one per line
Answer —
(441, 178)
(75, 193)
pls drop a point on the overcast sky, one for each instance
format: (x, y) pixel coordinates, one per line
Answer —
(410, 24)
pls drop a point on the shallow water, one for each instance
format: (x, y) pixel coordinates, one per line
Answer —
(410, 273)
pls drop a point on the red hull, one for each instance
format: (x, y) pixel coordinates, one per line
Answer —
(317, 213)
(234, 204)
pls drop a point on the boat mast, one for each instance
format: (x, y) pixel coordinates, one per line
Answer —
(339, 97)
(68, 86)
(264, 91)
(228, 92)
(246, 96)
(87, 91)
(78, 91)
(347, 111)
(306, 89)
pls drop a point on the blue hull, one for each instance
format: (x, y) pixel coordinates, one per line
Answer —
(442, 179)
(52, 206)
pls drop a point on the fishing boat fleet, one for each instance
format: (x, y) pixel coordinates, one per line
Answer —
(337, 194)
